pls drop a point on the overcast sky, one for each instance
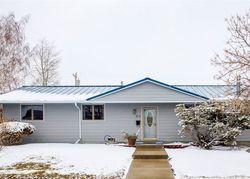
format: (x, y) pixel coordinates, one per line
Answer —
(108, 41)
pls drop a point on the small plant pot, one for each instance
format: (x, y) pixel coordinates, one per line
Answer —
(131, 141)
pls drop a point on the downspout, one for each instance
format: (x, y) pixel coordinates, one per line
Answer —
(80, 123)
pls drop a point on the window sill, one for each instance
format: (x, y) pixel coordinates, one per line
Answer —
(32, 120)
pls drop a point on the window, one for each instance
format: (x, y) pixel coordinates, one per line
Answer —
(189, 105)
(32, 112)
(93, 112)
(98, 109)
(87, 112)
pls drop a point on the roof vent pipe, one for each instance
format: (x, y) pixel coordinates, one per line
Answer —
(77, 79)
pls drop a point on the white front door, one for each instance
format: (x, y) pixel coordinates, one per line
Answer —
(150, 120)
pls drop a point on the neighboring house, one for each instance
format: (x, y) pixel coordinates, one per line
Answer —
(70, 113)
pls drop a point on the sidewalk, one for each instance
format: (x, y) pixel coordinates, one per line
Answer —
(150, 161)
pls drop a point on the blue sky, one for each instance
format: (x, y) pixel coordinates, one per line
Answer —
(108, 41)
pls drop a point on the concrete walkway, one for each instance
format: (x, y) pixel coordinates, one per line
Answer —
(150, 161)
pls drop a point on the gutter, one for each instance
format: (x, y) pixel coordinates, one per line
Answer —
(80, 123)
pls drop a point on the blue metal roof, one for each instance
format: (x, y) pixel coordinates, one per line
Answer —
(203, 91)
(69, 90)
(210, 91)
(150, 80)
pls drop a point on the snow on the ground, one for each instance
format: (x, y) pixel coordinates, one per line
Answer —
(220, 162)
(16, 126)
(99, 159)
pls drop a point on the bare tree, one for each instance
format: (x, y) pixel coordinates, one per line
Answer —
(45, 64)
(14, 52)
(235, 63)
(2, 129)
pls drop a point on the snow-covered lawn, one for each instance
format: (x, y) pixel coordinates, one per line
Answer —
(96, 159)
(112, 161)
(220, 162)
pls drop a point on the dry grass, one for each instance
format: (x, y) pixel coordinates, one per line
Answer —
(44, 175)
(35, 170)
(31, 166)
(44, 170)
(48, 175)
(27, 166)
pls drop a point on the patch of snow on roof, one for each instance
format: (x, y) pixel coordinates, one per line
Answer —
(21, 96)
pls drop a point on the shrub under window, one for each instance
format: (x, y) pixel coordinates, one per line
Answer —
(32, 112)
(93, 112)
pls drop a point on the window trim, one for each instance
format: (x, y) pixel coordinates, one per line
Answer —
(32, 120)
(97, 104)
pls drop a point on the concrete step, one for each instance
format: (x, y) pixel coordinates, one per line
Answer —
(151, 141)
(150, 173)
(150, 169)
(149, 146)
(149, 163)
(150, 154)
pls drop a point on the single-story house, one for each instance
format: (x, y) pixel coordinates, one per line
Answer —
(88, 113)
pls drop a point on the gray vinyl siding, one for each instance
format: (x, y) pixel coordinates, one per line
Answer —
(60, 123)
(168, 123)
(148, 92)
(245, 136)
(12, 111)
(119, 117)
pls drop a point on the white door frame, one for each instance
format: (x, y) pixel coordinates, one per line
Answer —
(143, 121)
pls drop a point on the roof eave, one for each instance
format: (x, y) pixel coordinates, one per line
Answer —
(41, 101)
